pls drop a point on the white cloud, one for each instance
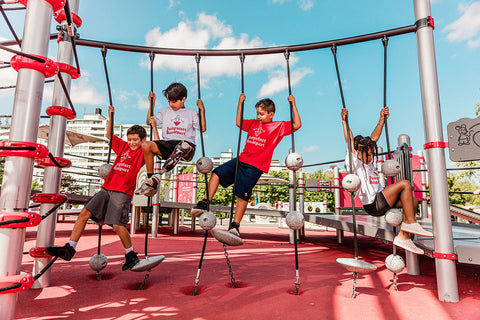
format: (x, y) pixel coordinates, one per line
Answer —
(207, 32)
(305, 5)
(310, 148)
(467, 26)
(279, 81)
(8, 76)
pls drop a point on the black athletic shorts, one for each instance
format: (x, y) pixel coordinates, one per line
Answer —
(166, 148)
(378, 207)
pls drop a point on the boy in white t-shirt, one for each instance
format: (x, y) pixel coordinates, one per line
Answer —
(263, 135)
(178, 132)
(377, 200)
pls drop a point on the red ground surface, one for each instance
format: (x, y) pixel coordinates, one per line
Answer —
(264, 271)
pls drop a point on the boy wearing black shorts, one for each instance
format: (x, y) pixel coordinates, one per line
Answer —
(263, 135)
(178, 132)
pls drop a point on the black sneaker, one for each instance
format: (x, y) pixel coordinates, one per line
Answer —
(234, 229)
(131, 260)
(66, 252)
(200, 208)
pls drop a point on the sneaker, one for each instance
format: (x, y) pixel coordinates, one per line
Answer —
(131, 260)
(149, 187)
(407, 245)
(66, 252)
(200, 208)
(416, 228)
(234, 229)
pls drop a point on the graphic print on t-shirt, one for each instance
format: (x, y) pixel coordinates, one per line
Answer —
(121, 165)
(176, 130)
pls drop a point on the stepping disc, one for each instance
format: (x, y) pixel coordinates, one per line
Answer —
(227, 237)
(355, 265)
(147, 263)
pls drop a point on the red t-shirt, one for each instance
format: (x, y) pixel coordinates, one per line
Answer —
(123, 175)
(261, 141)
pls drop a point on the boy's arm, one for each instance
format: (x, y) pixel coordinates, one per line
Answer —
(202, 115)
(378, 129)
(151, 101)
(345, 133)
(297, 122)
(111, 111)
(153, 125)
(241, 99)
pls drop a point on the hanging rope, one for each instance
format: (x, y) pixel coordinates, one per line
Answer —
(71, 32)
(104, 55)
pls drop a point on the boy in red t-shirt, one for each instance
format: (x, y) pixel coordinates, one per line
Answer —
(262, 138)
(111, 205)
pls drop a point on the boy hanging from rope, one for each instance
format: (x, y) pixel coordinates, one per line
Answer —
(178, 132)
(262, 138)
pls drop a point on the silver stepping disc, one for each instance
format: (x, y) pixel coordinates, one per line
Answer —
(355, 265)
(147, 263)
(227, 237)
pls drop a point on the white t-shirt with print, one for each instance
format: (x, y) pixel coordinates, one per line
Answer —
(178, 125)
(368, 176)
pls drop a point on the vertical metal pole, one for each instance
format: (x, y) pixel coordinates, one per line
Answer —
(380, 161)
(437, 174)
(292, 202)
(336, 183)
(56, 145)
(18, 171)
(155, 203)
(301, 200)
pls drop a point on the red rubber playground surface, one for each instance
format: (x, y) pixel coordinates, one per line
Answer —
(264, 270)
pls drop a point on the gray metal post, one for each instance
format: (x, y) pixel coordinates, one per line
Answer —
(18, 171)
(380, 161)
(423, 203)
(412, 259)
(155, 203)
(56, 145)
(301, 200)
(443, 239)
(195, 193)
(292, 199)
(336, 183)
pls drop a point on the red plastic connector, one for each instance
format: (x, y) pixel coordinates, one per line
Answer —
(435, 144)
(448, 256)
(66, 68)
(25, 280)
(59, 16)
(61, 111)
(32, 219)
(47, 162)
(36, 150)
(38, 253)
(49, 68)
(48, 198)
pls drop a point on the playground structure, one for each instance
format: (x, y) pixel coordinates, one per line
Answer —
(26, 115)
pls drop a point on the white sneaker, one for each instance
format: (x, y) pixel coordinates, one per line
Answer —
(415, 228)
(407, 245)
(149, 187)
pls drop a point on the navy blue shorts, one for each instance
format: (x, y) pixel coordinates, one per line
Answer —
(378, 207)
(247, 177)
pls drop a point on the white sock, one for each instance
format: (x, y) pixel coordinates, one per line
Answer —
(128, 250)
(72, 243)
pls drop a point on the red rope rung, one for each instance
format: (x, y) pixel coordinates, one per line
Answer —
(49, 68)
(56, 4)
(61, 111)
(48, 198)
(60, 16)
(47, 162)
(32, 219)
(25, 280)
(40, 151)
(38, 253)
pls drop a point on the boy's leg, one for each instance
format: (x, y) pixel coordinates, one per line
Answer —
(150, 149)
(237, 218)
(68, 250)
(131, 258)
(182, 149)
(201, 206)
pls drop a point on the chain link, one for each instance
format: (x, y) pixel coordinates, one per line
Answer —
(145, 280)
(355, 276)
(395, 281)
(229, 266)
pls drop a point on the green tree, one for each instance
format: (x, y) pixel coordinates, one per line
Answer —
(36, 185)
(69, 183)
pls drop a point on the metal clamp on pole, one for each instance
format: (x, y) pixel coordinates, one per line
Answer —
(435, 144)
(16, 283)
(19, 219)
(49, 68)
(61, 111)
(447, 256)
(48, 198)
(22, 149)
(425, 22)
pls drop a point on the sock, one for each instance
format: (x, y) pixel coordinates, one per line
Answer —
(149, 175)
(128, 250)
(72, 243)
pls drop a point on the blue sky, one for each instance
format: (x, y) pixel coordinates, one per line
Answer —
(263, 23)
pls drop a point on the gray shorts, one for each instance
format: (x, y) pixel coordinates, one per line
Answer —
(110, 207)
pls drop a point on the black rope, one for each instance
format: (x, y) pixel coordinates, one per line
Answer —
(26, 55)
(47, 266)
(104, 55)
(18, 148)
(349, 146)
(242, 60)
(11, 287)
(64, 87)
(20, 220)
(10, 27)
(49, 212)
